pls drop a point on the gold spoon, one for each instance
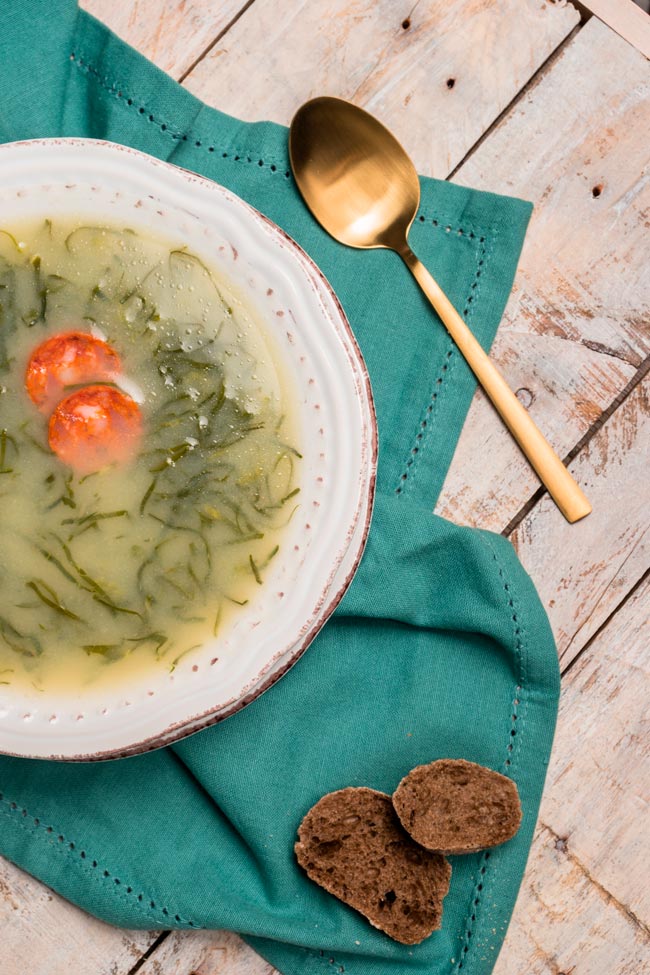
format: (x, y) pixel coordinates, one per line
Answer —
(361, 186)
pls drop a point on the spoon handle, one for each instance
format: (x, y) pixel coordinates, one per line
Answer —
(560, 484)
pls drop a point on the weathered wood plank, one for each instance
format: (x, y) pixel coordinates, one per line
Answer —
(576, 328)
(564, 924)
(583, 571)
(205, 953)
(43, 934)
(170, 33)
(626, 18)
(599, 800)
(437, 72)
(594, 818)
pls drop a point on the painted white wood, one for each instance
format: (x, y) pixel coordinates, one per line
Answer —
(171, 33)
(44, 935)
(627, 18)
(437, 72)
(205, 953)
(565, 924)
(599, 800)
(576, 328)
(583, 571)
(584, 907)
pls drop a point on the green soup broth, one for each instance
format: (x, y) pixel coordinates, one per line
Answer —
(109, 575)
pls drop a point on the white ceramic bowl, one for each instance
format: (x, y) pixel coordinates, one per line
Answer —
(325, 539)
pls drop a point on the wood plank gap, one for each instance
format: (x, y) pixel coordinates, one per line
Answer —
(585, 13)
(543, 69)
(561, 843)
(638, 377)
(619, 606)
(212, 43)
(162, 937)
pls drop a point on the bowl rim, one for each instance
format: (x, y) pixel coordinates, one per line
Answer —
(329, 600)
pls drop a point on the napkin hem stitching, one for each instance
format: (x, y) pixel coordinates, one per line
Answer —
(87, 866)
(117, 91)
(273, 163)
(482, 256)
(519, 706)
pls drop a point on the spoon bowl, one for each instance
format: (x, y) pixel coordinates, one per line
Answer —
(361, 186)
(359, 182)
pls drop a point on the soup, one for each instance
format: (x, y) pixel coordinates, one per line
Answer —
(148, 454)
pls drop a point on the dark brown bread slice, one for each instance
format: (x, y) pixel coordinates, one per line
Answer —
(454, 806)
(352, 844)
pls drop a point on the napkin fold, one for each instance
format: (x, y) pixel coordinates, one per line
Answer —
(440, 648)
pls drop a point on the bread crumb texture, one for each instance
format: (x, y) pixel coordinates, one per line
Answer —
(452, 806)
(353, 844)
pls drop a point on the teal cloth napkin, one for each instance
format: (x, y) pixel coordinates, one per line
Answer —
(440, 648)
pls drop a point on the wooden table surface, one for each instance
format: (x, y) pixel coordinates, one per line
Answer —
(519, 97)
